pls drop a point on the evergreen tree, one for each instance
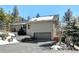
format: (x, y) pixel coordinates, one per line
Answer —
(8, 21)
(70, 29)
(5, 18)
(37, 15)
(15, 11)
(15, 14)
(2, 15)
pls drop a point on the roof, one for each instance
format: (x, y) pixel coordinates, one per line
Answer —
(18, 23)
(39, 19)
(42, 18)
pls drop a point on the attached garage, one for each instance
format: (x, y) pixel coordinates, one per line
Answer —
(42, 36)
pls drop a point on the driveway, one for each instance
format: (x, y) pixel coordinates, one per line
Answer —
(31, 47)
(22, 48)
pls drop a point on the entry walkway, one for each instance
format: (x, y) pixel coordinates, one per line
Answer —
(48, 42)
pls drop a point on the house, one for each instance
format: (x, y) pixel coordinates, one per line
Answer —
(44, 27)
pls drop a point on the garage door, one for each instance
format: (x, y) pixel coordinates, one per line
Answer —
(43, 36)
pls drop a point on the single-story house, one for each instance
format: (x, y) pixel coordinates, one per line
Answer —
(44, 27)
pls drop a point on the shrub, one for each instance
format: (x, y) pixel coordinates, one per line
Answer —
(21, 31)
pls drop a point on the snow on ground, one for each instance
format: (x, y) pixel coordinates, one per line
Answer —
(49, 42)
(9, 38)
(6, 42)
(59, 46)
(56, 47)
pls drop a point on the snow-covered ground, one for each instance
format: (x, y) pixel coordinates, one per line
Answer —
(6, 42)
(61, 46)
(9, 38)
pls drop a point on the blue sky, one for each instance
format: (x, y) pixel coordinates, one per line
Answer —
(32, 10)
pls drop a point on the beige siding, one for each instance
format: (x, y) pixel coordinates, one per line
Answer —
(41, 27)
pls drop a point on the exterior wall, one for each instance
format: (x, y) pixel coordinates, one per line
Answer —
(41, 27)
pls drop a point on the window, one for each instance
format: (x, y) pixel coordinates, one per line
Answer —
(29, 26)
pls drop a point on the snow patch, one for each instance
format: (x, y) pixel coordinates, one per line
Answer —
(6, 42)
(42, 18)
(56, 47)
(10, 36)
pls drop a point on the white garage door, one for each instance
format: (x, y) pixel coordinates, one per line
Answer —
(43, 36)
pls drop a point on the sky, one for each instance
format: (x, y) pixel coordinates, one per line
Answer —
(43, 10)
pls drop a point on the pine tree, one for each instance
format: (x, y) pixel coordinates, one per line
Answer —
(37, 15)
(15, 11)
(2, 15)
(15, 14)
(8, 21)
(70, 29)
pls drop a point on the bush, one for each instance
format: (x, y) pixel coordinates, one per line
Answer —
(21, 31)
(63, 39)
